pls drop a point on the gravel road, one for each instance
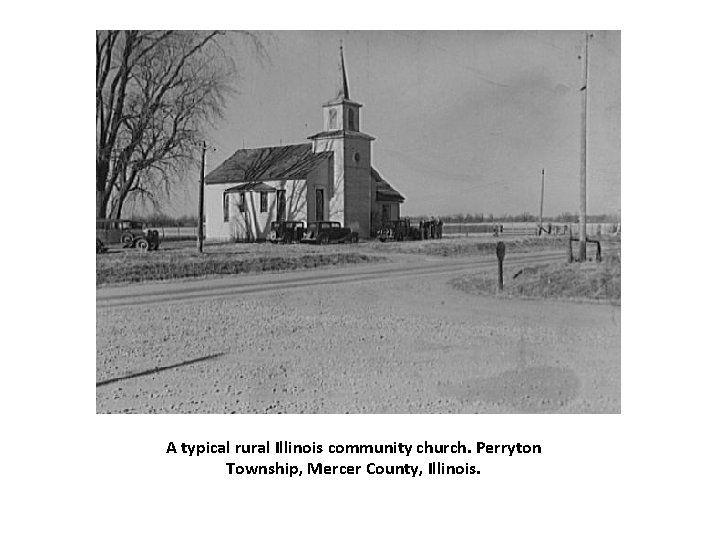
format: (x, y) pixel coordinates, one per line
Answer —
(402, 345)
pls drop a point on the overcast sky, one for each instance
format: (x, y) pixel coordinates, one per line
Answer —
(464, 121)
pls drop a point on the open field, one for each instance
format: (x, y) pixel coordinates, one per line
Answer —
(180, 260)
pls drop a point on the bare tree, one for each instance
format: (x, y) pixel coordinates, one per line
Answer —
(156, 90)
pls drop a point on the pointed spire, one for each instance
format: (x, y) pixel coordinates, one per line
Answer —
(343, 91)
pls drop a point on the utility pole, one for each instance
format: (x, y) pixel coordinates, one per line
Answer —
(542, 198)
(201, 199)
(582, 249)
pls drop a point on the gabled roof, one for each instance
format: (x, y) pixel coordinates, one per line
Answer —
(383, 190)
(292, 162)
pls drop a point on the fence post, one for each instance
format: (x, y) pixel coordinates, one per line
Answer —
(570, 253)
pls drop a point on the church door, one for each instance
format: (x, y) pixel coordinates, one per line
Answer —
(319, 205)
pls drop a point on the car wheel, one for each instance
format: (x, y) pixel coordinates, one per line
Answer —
(126, 238)
(142, 245)
(323, 239)
(99, 248)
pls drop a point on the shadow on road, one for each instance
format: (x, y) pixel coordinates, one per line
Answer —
(158, 369)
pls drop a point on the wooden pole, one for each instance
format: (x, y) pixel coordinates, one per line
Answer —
(542, 199)
(500, 275)
(201, 200)
(582, 248)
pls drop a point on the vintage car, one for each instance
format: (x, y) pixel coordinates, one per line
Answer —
(324, 232)
(126, 233)
(286, 232)
(398, 230)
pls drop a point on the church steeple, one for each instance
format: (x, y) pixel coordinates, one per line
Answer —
(343, 90)
(342, 113)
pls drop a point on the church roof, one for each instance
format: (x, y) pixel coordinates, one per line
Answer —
(249, 168)
(292, 162)
(383, 190)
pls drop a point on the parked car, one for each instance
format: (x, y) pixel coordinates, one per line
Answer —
(126, 233)
(324, 232)
(399, 230)
(99, 246)
(286, 232)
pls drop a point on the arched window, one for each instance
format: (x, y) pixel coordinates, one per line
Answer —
(351, 120)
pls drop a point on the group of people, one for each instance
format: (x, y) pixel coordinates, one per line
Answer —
(431, 229)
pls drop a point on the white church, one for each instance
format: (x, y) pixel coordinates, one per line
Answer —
(329, 179)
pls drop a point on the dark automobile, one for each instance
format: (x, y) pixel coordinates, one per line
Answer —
(324, 232)
(399, 230)
(126, 233)
(286, 232)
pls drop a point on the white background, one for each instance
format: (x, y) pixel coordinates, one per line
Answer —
(649, 472)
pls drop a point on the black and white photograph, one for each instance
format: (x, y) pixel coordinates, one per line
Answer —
(358, 221)
(358, 270)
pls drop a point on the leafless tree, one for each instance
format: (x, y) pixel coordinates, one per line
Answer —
(156, 91)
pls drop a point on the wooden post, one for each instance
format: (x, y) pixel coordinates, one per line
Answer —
(201, 200)
(582, 249)
(570, 253)
(542, 199)
(500, 251)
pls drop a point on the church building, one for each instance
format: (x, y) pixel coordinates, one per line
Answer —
(330, 178)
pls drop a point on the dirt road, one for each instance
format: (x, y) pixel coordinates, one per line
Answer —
(376, 339)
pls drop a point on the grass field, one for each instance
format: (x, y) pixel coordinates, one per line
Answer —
(590, 281)
(129, 266)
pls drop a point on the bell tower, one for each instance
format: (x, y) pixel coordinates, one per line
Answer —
(341, 113)
(351, 194)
